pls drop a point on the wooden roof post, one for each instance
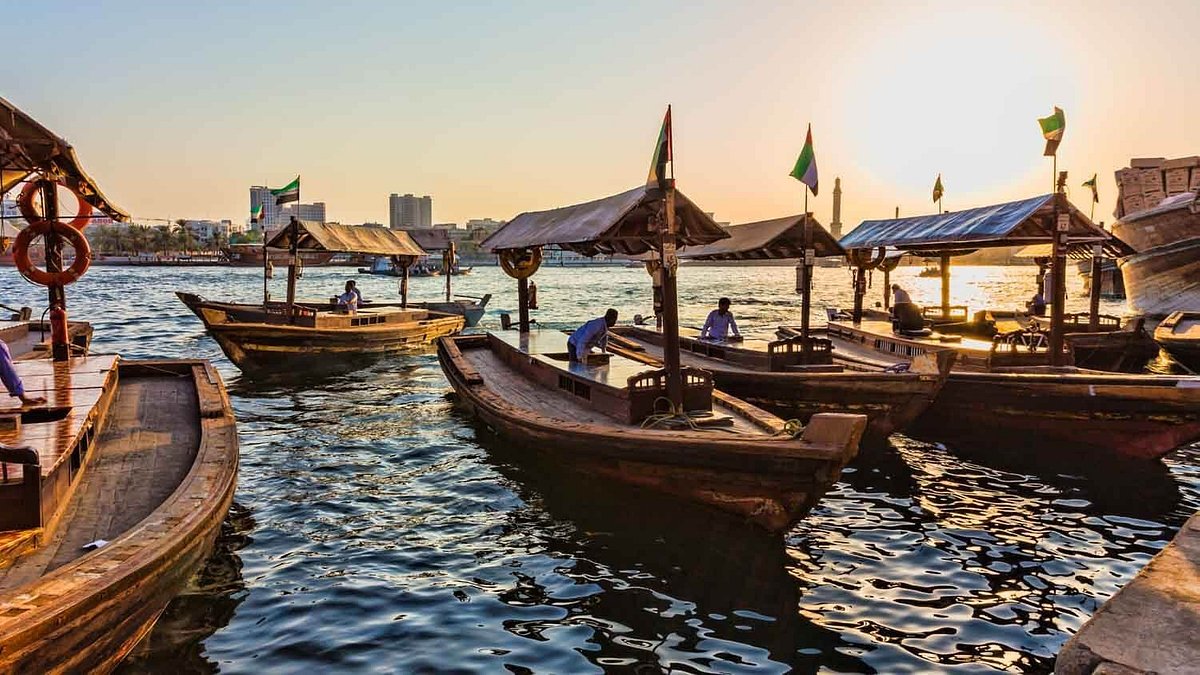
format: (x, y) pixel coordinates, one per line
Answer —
(806, 299)
(670, 268)
(60, 346)
(294, 226)
(1061, 228)
(944, 268)
(448, 267)
(1097, 284)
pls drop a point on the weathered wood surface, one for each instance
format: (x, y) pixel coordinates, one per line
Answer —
(31, 339)
(255, 345)
(1138, 416)
(769, 479)
(157, 486)
(1150, 625)
(1164, 279)
(891, 401)
(1179, 334)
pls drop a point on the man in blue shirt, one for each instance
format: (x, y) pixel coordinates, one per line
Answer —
(591, 334)
(12, 381)
(719, 323)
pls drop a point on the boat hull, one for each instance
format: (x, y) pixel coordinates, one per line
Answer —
(1179, 334)
(88, 614)
(770, 482)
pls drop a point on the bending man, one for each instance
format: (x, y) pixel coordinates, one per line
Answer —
(594, 333)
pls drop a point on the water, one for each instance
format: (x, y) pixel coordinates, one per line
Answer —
(376, 529)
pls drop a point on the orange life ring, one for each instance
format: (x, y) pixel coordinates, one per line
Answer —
(25, 204)
(83, 253)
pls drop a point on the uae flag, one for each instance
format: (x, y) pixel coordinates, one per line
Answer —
(287, 193)
(257, 214)
(662, 155)
(805, 170)
(1092, 184)
(1052, 130)
(938, 189)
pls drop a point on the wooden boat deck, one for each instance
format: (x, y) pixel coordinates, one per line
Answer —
(549, 348)
(31, 339)
(149, 446)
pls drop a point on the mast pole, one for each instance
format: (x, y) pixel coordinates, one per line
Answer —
(1061, 230)
(1094, 298)
(806, 299)
(671, 303)
(60, 347)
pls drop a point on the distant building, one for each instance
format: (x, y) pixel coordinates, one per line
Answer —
(272, 217)
(409, 212)
(205, 231)
(835, 227)
(314, 212)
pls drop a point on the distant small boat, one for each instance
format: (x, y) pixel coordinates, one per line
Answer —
(1179, 334)
(382, 266)
(930, 271)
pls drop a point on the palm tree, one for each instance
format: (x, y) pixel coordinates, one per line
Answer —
(183, 235)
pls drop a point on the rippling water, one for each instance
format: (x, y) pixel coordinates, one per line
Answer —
(375, 528)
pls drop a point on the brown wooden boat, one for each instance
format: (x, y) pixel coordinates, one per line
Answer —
(309, 337)
(1001, 398)
(251, 255)
(1179, 334)
(30, 339)
(769, 375)
(140, 454)
(594, 418)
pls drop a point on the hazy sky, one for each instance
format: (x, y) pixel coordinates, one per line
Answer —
(498, 108)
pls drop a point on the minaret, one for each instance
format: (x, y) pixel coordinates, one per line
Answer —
(835, 227)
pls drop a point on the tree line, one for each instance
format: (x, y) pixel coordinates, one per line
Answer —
(176, 238)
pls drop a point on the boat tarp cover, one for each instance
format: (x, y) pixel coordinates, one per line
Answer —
(27, 147)
(1016, 223)
(620, 224)
(347, 239)
(767, 240)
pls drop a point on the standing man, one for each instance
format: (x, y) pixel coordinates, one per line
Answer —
(719, 323)
(594, 333)
(12, 381)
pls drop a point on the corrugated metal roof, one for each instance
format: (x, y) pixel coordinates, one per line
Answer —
(430, 239)
(347, 239)
(767, 240)
(619, 224)
(1018, 223)
(27, 147)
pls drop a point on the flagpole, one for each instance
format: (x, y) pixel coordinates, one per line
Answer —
(806, 299)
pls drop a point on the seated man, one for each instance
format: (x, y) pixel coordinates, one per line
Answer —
(594, 333)
(719, 323)
(1037, 306)
(12, 381)
(906, 314)
(351, 299)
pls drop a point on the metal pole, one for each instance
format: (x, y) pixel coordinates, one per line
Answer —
(1061, 230)
(1094, 298)
(671, 303)
(806, 299)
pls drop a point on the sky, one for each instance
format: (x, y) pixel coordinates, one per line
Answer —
(498, 108)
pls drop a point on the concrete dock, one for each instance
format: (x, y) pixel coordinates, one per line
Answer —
(1150, 626)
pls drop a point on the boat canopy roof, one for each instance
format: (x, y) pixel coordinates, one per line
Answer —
(620, 224)
(768, 240)
(429, 238)
(27, 147)
(1019, 223)
(337, 238)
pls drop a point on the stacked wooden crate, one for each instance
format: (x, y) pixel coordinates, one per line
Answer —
(1147, 181)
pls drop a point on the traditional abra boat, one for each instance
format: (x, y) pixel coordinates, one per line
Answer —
(1179, 334)
(662, 429)
(780, 376)
(30, 339)
(471, 307)
(294, 336)
(1016, 392)
(114, 489)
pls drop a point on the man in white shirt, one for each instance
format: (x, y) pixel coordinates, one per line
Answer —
(351, 299)
(900, 296)
(594, 333)
(719, 323)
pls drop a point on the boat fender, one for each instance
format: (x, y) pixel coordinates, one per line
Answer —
(74, 237)
(25, 203)
(270, 269)
(299, 267)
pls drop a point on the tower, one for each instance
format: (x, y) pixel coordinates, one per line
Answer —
(835, 227)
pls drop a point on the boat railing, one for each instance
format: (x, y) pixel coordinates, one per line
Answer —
(648, 389)
(952, 313)
(787, 352)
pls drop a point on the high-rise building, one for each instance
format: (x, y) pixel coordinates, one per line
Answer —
(408, 211)
(835, 227)
(272, 216)
(314, 212)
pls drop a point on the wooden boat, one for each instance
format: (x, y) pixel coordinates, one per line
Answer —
(471, 309)
(307, 339)
(295, 337)
(251, 255)
(383, 267)
(662, 429)
(591, 418)
(28, 339)
(1164, 274)
(1015, 391)
(140, 454)
(768, 375)
(1179, 334)
(1002, 397)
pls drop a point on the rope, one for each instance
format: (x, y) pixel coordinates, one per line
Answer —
(676, 416)
(793, 428)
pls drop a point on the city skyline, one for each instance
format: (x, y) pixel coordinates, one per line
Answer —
(896, 94)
